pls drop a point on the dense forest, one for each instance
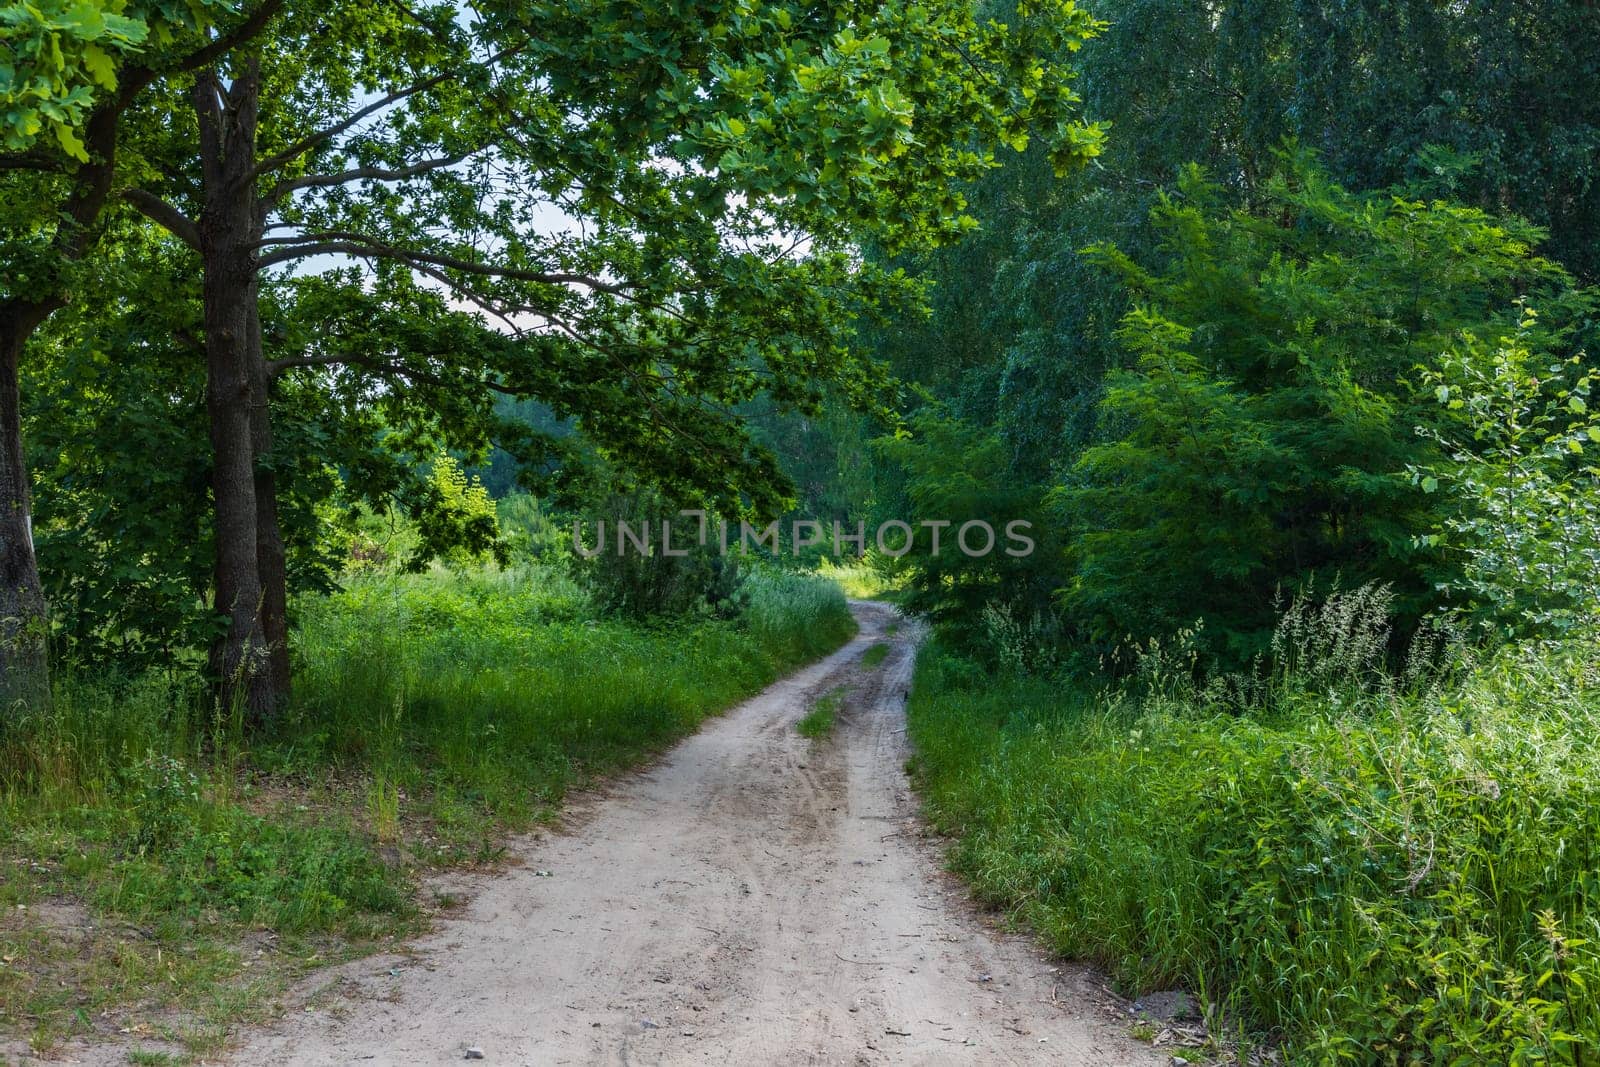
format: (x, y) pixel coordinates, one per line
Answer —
(1298, 706)
(326, 330)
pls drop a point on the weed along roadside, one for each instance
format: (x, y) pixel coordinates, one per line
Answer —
(163, 882)
(1420, 855)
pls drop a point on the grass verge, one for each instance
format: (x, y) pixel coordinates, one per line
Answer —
(1365, 869)
(164, 875)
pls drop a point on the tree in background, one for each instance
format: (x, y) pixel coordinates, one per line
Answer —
(1489, 107)
(1259, 445)
(954, 473)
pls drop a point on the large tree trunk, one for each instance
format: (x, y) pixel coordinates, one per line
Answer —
(271, 559)
(24, 670)
(240, 657)
(228, 231)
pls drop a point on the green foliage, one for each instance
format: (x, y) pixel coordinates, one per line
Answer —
(634, 572)
(1260, 443)
(955, 472)
(528, 528)
(460, 524)
(694, 158)
(124, 547)
(1460, 104)
(1527, 518)
(124, 541)
(259, 871)
(1379, 868)
(57, 55)
(1463, 101)
(865, 578)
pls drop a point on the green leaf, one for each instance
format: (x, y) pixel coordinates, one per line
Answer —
(100, 66)
(70, 142)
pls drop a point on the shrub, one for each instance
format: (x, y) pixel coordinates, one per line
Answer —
(644, 583)
(1260, 440)
(1526, 518)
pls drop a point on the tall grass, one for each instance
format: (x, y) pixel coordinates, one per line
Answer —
(431, 714)
(495, 693)
(795, 618)
(1367, 867)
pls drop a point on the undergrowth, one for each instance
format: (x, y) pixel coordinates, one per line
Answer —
(866, 578)
(1341, 856)
(432, 714)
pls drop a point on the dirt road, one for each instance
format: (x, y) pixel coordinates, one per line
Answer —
(754, 899)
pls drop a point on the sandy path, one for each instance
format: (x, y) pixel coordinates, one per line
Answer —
(755, 898)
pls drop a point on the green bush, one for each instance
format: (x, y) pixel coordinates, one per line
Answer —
(1375, 869)
(1525, 525)
(631, 581)
(1261, 438)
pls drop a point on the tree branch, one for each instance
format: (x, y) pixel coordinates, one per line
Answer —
(327, 133)
(338, 242)
(222, 43)
(379, 174)
(278, 366)
(164, 215)
(310, 141)
(32, 159)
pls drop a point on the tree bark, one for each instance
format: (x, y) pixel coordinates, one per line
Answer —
(241, 658)
(24, 665)
(271, 560)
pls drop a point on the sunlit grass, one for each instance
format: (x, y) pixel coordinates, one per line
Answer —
(432, 714)
(860, 579)
(1377, 872)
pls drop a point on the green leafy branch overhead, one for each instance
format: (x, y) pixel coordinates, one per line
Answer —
(57, 57)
